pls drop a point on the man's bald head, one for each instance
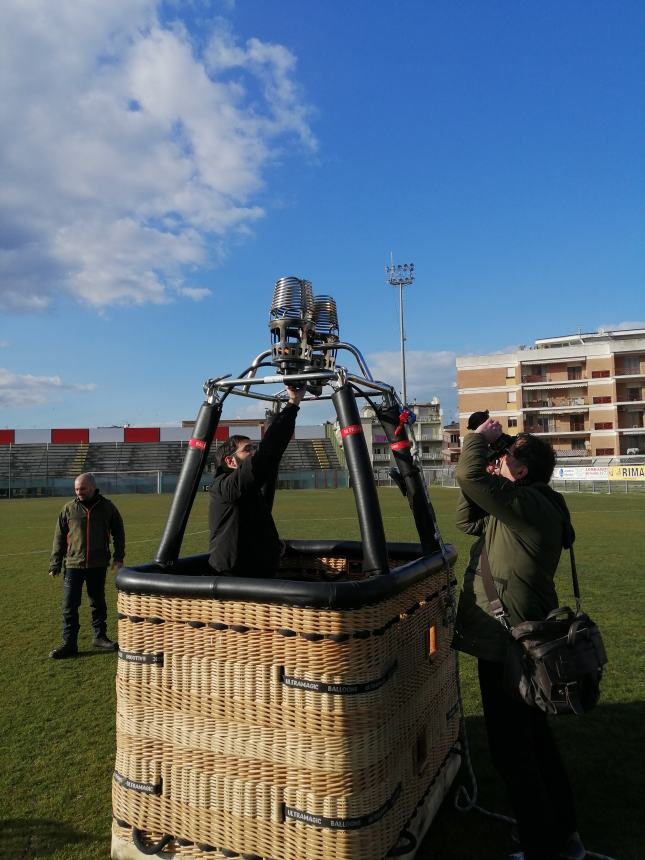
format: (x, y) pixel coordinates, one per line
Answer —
(85, 486)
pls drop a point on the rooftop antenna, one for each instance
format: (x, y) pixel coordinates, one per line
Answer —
(401, 276)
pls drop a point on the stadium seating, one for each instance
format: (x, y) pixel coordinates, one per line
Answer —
(24, 461)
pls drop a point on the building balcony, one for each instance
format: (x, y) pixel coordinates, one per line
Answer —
(555, 431)
(624, 373)
(552, 380)
(555, 403)
(623, 398)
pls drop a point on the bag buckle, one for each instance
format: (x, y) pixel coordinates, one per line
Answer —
(500, 614)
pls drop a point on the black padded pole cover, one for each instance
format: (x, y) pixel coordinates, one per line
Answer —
(360, 470)
(189, 477)
(412, 476)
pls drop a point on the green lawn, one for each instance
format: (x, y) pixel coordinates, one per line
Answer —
(57, 719)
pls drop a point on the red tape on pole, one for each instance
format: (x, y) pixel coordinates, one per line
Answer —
(399, 446)
(350, 430)
(196, 443)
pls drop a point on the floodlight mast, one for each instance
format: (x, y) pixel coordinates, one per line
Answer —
(401, 276)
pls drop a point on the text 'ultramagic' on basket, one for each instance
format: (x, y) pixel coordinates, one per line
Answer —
(310, 716)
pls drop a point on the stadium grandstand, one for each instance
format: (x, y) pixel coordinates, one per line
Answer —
(147, 459)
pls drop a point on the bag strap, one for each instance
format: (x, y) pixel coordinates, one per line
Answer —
(496, 605)
(574, 578)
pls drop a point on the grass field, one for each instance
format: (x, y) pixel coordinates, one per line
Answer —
(57, 718)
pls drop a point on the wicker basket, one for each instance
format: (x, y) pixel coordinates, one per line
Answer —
(265, 730)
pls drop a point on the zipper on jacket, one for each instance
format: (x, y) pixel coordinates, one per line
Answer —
(87, 536)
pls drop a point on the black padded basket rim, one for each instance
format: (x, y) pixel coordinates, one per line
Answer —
(184, 582)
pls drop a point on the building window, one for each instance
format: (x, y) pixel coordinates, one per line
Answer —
(603, 425)
(510, 373)
(602, 399)
(511, 396)
(599, 374)
(454, 438)
(604, 452)
(512, 422)
(631, 365)
(574, 372)
(576, 423)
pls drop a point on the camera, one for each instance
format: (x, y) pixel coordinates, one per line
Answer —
(499, 446)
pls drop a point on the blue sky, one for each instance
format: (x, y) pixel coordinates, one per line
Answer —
(162, 164)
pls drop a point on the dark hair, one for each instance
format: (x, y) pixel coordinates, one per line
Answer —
(537, 455)
(228, 449)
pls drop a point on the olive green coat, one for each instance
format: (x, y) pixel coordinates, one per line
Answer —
(83, 533)
(523, 527)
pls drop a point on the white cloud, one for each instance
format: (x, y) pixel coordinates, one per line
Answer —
(24, 389)
(194, 293)
(621, 326)
(427, 374)
(126, 157)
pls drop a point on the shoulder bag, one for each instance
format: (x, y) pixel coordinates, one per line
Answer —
(556, 664)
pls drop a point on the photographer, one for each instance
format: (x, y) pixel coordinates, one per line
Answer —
(507, 504)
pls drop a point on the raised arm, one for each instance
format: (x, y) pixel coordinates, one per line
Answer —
(491, 493)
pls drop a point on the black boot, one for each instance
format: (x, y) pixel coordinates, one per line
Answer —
(67, 649)
(104, 644)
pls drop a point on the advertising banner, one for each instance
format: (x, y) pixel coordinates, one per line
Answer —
(627, 473)
(581, 473)
(599, 473)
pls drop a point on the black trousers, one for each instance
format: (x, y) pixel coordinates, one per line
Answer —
(525, 755)
(94, 579)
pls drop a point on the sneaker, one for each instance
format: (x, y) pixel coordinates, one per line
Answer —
(573, 849)
(104, 644)
(63, 651)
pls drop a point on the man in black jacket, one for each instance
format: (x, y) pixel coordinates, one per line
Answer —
(243, 537)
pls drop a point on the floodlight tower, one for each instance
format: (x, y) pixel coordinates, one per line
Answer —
(401, 276)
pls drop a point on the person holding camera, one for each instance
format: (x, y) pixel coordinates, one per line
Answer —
(243, 537)
(523, 524)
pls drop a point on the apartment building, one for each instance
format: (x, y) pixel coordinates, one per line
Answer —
(451, 444)
(427, 432)
(584, 392)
